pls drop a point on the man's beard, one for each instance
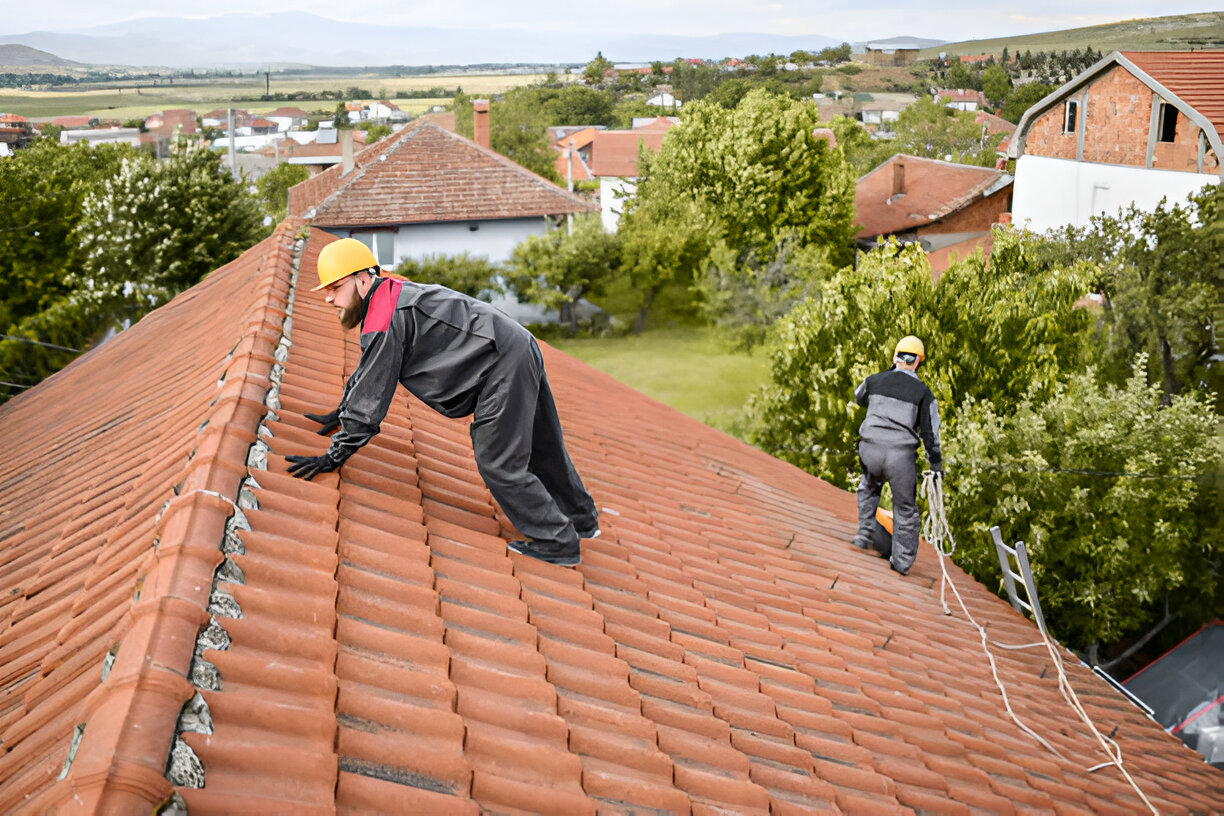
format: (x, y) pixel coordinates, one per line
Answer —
(351, 316)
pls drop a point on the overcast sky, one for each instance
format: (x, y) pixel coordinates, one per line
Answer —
(853, 20)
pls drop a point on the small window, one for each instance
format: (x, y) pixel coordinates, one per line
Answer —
(1168, 123)
(382, 244)
(1070, 116)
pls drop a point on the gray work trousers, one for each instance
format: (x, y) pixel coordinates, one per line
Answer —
(520, 452)
(898, 467)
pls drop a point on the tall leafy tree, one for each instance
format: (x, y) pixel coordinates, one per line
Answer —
(1161, 284)
(927, 128)
(156, 228)
(1000, 332)
(755, 173)
(1114, 496)
(43, 189)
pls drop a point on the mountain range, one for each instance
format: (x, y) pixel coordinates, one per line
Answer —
(243, 40)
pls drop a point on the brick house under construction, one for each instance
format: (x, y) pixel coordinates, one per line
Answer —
(1134, 128)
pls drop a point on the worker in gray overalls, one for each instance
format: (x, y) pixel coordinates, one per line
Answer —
(461, 357)
(900, 410)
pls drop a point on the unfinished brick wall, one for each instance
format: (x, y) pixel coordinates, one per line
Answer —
(1117, 117)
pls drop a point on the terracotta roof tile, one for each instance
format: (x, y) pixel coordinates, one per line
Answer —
(427, 174)
(1196, 77)
(931, 190)
(365, 642)
(615, 152)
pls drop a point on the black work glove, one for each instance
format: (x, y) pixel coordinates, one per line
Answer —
(307, 467)
(329, 421)
(937, 469)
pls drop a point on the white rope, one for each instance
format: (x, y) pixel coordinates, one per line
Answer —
(935, 530)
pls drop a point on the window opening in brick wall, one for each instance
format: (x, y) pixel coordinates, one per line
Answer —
(1070, 115)
(1168, 122)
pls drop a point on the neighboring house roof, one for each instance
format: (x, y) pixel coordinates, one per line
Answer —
(961, 95)
(1193, 81)
(12, 118)
(74, 121)
(996, 124)
(427, 174)
(166, 122)
(1184, 687)
(364, 642)
(293, 113)
(577, 142)
(930, 191)
(614, 153)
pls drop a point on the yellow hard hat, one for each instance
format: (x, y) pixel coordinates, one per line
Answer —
(911, 345)
(342, 258)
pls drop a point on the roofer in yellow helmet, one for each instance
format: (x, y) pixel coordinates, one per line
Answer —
(901, 410)
(461, 357)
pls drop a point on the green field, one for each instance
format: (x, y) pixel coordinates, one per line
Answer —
(1181, 32)
(693, 370)
(125, 101)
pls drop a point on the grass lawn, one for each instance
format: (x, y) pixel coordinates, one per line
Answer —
(691, 369)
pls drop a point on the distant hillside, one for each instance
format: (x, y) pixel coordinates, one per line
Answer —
(25, 57)
(1176, 33)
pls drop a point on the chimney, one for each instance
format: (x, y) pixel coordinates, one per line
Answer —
(480, 122)
(346, 151)
(898, 178)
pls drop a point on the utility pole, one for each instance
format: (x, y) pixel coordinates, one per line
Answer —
(233, 158)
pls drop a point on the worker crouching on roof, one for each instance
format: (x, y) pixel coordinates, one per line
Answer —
(461, 357)
(900, 411)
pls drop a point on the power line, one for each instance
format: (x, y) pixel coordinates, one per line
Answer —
(14, 385)
(40, 343)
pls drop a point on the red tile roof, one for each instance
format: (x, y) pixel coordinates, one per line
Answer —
(427, 174)
(364, 642)
(615, 152)
(1195, 77)
(933, 190)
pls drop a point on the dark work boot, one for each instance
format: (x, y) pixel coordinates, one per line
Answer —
(552, 553)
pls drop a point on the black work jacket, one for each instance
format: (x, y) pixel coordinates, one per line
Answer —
(440, 344)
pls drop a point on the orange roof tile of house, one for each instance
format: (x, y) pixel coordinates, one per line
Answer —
(615, 152)
(1195, 77)
(931, 190)
(171, 598)
(427, 174)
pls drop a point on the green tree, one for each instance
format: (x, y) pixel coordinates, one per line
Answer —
(756, 173)
(1160, 281)
(927, 128)
(1113, 495)
(470, 274)
(862, 152)
(958, 76)
(1000, 333)
(596, 69)
(156, 228)
(996, 84)
(1023, 98)
(657, 252)
(273, 188)
(559, 268)
(43, 188)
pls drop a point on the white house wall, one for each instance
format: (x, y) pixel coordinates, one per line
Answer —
(493, 240)
(612, 195)
(1051, 193)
